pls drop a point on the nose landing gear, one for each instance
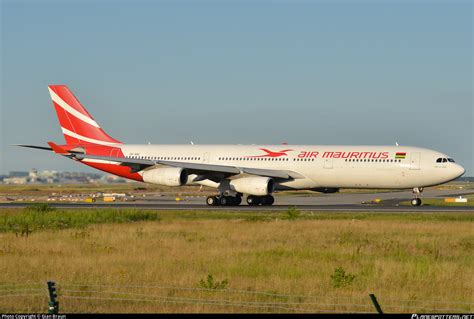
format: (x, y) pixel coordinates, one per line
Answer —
(416, 200)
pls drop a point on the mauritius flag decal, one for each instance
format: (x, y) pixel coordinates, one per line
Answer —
(400, 155)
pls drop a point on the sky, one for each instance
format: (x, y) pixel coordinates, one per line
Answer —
(240, 72)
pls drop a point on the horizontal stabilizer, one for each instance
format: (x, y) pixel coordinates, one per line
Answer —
(34, 146)
(57, 149)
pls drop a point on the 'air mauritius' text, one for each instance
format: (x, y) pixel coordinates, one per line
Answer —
(309, 154)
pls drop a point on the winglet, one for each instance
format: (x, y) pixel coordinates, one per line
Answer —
(58, 150)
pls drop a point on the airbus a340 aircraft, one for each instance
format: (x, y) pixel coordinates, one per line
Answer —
(254, 170)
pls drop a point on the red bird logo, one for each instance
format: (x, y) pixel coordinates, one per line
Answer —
(272, 153)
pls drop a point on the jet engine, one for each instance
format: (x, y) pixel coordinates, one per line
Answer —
(168, 176)
(254, 185)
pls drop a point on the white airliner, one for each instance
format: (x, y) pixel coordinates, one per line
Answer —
(254, 170)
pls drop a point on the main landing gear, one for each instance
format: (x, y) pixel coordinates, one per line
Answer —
(416, 200)
(222, 200)
(266, 200)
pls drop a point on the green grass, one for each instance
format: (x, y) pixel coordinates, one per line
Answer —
(415, 257)
(35, 218)
(43, 217)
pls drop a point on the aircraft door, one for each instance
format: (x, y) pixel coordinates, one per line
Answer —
(415, 161)
(205, 157)
(328, 163)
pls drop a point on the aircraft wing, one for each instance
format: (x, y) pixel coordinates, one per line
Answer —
(205, 170)
(193, 168)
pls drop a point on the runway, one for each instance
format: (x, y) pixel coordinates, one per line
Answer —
(372, 208)
(338, 202)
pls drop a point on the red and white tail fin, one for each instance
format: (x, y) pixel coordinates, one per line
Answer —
(77, 124)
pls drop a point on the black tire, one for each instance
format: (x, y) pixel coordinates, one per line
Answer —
(268, 200)
(231, 201)
(237, 200)
(416, 202)
(253, 200)
(212, 201)
(225, 201)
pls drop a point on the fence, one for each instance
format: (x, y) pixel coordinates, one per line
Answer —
(84, 297)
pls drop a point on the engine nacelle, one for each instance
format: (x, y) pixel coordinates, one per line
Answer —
(254, 185)
(168, 176)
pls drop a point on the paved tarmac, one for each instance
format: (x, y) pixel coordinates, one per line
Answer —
(338, 202)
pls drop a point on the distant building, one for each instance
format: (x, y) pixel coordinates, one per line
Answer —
(15, 180)
(18, 174)
(33, 175)
(48, 177)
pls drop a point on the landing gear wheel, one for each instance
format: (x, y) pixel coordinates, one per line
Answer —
(267, 200)
(416, 202)
(225, 201)
(237, 200)
(253, 200)
(212, 201)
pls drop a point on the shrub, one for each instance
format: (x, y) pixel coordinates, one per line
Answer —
(210, 283)
(292, 213)
(340, 278)
(40, 208)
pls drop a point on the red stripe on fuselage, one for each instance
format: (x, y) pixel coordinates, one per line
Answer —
(101, 150)
(122, 171)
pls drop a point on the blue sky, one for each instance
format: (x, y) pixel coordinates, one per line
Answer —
(240, 72)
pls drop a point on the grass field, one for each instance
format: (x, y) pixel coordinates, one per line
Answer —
(111, 260)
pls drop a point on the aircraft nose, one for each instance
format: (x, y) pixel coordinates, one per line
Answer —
(457, 170)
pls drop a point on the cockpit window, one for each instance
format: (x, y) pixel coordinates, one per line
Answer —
(444, 160)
